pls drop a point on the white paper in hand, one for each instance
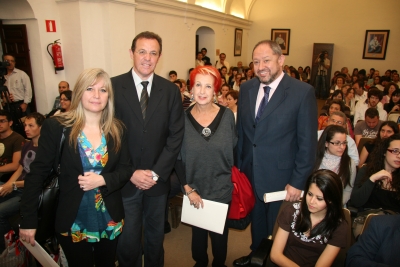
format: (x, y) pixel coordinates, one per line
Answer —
(212, 217)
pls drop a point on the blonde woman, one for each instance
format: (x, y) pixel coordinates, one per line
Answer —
(95, 165)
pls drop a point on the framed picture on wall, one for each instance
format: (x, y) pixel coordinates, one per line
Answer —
(375, 44)
(238, 42)
(282, 37)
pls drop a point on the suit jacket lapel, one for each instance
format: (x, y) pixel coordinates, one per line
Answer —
(253, 92)
(130, 94)
(154, 99)
(276, 99)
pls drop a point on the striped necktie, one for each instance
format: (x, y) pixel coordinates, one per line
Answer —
(144, 99)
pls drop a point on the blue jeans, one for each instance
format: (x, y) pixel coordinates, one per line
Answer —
(321, 91)
(9, 206)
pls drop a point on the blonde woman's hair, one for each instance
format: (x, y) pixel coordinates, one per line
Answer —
(76, 119)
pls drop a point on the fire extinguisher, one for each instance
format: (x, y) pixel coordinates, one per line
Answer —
(56, 55)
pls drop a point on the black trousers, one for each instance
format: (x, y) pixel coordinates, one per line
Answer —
(85, 254)
(219, 244)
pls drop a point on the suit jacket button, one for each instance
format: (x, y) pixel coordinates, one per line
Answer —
(254, 126)
(254, 145)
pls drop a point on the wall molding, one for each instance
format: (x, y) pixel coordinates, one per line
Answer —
(123, 2)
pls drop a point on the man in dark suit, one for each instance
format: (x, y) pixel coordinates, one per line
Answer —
(378, 245)
(151, 109)
(277, 126)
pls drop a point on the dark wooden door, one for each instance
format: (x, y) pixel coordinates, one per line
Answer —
(14, 40)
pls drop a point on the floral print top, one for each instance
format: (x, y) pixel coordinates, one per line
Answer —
(93, 221)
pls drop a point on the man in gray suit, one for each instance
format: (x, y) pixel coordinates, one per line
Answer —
(277, 129)
(151, 109)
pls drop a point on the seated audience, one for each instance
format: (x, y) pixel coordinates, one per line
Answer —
(236, 83)
(338, 85)
(308, 71)
(378, 183)
(224, 73)
(232, 98)
(335, 105)
(360, 93)
(11, 143)
(388, 91)
(295, 74)
(11, 191)
(249, 74)
(345, 72)
(378, 244)
(368, 127)
(222, 97)
(173, 75)
(336, 95)
(332, 154)
(349, 100)
(338, 118)
(184, 88)
(394, 102)
(199, 59)
(303, 75)
(312, 232)
(65, 104)
(233, 75)
(62, 86)
(396, 79)
(185, 99)
(388, 128)
(374, 96)
(377, 83)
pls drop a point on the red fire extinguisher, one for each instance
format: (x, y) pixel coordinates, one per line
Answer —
(56, 55)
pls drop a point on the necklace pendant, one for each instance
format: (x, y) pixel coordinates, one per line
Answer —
(206, 132)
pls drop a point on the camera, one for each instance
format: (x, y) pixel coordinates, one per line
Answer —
(322, 56)
(3, 68)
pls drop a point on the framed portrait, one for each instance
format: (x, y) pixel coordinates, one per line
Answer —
(375, 44)
(282, 37)
(238, 42)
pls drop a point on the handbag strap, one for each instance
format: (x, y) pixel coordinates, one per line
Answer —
(60, 151)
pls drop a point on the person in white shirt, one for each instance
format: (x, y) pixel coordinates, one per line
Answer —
(339, 118)
(374, 98)
(360, 94)
(222, 62)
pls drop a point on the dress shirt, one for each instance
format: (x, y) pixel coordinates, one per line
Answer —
(138, 83)
(273, 86)
(19, 85)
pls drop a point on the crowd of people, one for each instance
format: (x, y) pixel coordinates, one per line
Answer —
(126, 137)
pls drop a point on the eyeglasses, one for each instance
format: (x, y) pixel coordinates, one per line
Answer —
(339, 143)
(394, 151)
(64, 99)
(3, 121)
(143, 53)
(336, 122)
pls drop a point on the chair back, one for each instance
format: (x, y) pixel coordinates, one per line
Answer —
(367, 221)
(393, 116)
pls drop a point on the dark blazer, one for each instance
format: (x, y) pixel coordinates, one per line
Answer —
(378, 245)
(153, 144)
(116, 173)
(280, 149)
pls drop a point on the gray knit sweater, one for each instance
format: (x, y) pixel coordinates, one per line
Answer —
(208, 163)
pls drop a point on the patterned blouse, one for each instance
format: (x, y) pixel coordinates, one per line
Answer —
(93, 221)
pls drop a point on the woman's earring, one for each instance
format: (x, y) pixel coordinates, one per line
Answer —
(192, 98)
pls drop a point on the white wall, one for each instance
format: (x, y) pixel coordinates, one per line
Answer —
(167, 18)
(340, 22)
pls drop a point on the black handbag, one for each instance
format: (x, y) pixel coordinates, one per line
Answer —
(239, 224)
(48, 200)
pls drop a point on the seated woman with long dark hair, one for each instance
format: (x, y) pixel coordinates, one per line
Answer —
(311, 232)
(332, 155)
(378, 183)
(394, 103)
(388, 128)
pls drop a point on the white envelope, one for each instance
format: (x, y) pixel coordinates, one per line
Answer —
(212, 217)
(40, 254)
(276, 196)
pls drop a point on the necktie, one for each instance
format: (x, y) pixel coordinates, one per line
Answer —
(263, 103)
(144, 99)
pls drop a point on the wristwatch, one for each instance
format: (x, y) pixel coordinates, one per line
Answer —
(15, 186)
(155, 176)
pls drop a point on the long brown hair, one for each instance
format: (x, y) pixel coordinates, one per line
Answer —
(76, 119)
